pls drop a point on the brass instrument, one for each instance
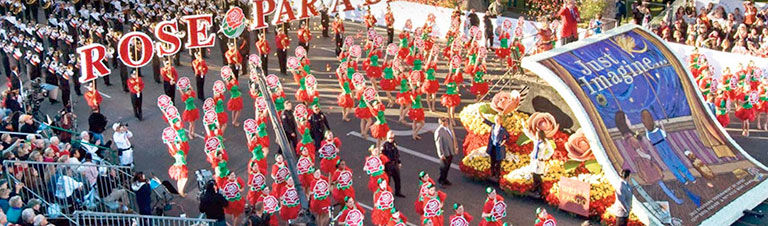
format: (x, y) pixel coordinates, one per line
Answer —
(31, 2)
(75, 1)
(16, 8)
(47, 4)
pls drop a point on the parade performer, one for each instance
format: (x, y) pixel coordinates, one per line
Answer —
(404, 36)
(543, 218)
(234, 58)
(380, 128)
(369, 19)
(282, 43)
(329, 152)
(364, 113)
(218, 98)
(397, 219)
(460, 218)
(319, 197)
(504, 40)
(747, 110)
(135, 86)
(431, 85)
(383, 203)
(231, 189)
(722, 109)
(276, 92)
(210, 119)
(271, 205)
(763, 91)
(416, 114)
(93, 97)
(177, 171)
(256, 137)
(257, 182)
(451, 97)
(342, 182)
(304, 167)
(289, 200)
(352, 214)
(479, 86)
(389, 18)
(170, 76)
(433, 205)
(424, 182)
(404, 97)
(492, 209)
(344, 100)
(338, 31)
(305, 35)
(235, 103)
(374, 167)
(263, 47)
(201, 69)
(545, 38)
(389, 82)
(191, 114)
(280, 173)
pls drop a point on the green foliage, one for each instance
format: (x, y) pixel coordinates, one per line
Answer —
(590, 8)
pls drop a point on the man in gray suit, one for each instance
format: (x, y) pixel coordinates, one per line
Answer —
(445, 142)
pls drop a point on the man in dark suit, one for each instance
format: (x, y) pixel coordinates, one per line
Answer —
(496, 141)
(445, 142)
(289, 123)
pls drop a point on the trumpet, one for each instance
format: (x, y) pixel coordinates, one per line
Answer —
(16, 9)
(47, 4)
(31, 2)
(75, 1)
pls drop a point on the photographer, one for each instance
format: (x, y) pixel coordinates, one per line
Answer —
(212, 204)
(122, 137)
(257, 216)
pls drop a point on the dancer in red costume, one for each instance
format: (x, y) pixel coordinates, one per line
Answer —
(218, 98)
(494, 209)
(416, 113)
(747, 110)
(329, 153)
(352, 214)
(433, 205)
(235, 103)
(460, 218)
(342, 182)
(451, 97)
(722, 109)
(279, 173)
(304, 167)
(431, 85)
(380, 128)
(388, 82)
(374, 167)
(364, 113)
(320, 198)
(191, 114)
(257, 182)
(424, 183)
(177, 171)
(289, 200)
(383, 203)
(543, 218)
(271, 205)
(231, 189)
(344, 100)
(397, 219)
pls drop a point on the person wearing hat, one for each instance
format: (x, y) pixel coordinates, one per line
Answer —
(233, 57)
(543, 218)
(121, 137)
(319, 197)
(433, 205)
(389, 18)
(136, 86)
(460, 218)
(282, 43)
(170, 76)
(383, 203)
(338, 31)
(263, 47)
(490, 216)
(318, 124)
(305, 35)
(424, 182)
(342, 182)
(325, 19)
(200, 69)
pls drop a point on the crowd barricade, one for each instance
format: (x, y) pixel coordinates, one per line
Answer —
(64, 188)
(87, 218)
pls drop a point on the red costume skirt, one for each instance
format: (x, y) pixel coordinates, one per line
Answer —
(185, 148)
(302, 96)
(373, 72)
(403, 52)
(764, 106)
(235, 104)
(373, 181)
(746, 114)
(486, 223)
(345, 101)
(363, 113)
(319, 206)
(327, 166)
(306, 179)
(190, 115)
(253, 197)
(404, 99)
(379, 131)
(380, 217)
(223, 118)
(419, 207)
(503, 52)
(388, 84)
(479, 89)
(339, 195)
(430, 87)
(278, 186)
(450, 100)
(436, 220)
(289, 213)
(178, 172)
(416, 114)
(724, 120)
(235, 208)
(264, 141)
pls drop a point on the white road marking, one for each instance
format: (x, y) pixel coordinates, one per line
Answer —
(428, 127)
(365, 206)
(406, 150)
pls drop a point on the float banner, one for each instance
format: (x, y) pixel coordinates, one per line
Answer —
(574, 196)
(638, 104)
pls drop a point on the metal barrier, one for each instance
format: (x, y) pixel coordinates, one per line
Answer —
(65, 188)
(86, 218)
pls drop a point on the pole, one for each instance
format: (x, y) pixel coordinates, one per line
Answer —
(282, 140)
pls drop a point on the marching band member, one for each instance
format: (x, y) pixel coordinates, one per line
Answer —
(136, 85)
(390, 19)
(282, 43)
(338, 31)
(201, 69)
(305, 35)
(170, 76)
(234, 58)
(263, 46)
(93, 97)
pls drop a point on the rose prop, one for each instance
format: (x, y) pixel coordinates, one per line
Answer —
(210, 117)
(226, 73)
(392, 49)
(212, 144)
(355, 51)
(208, 104)
(273, 81)
(235, 23)
(310, 81)
(540, 121)
(456, 44)
(183, 83)
(507, 24)
(408, 24)
(475, 31)
(456, 61)
(578, 147)
(482, 52)
(261, 103)
(250, 127)
(378, 40)
(254, 60)
(293, 63)
(372, 34)
(300, 52)
(418, 32)
(505, 102)
(419, 44)
(300, 111)
(369, 94)
(164, 102)
(455, 23)
(431, 17)
(169, 136)
(358, 80)
(218, 87)
(349, 41)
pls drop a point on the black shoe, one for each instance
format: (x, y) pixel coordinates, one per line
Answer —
(399, 195)
(447, 183)
(126, 90)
